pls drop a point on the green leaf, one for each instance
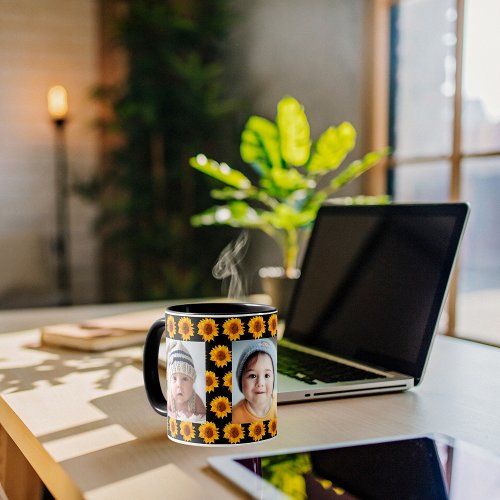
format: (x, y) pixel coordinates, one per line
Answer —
(286, 181)
(220, 171)
(356, 168)
(285, 217)
(228, 193)
(259, 144)
(235, 214)
(294, 132)
(332, 148)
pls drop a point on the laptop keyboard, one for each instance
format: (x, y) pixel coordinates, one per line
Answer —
(308, 368)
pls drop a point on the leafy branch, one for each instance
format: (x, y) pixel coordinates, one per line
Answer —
(290, 169)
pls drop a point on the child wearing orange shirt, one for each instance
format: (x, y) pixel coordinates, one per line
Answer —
(255, 375)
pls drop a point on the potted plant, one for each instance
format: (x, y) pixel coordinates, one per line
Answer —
(293, 176)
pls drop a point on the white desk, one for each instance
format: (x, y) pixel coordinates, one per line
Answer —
(84, 424)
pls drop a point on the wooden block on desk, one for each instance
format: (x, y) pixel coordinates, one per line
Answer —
(101, 334)
(134, 321)
(89, 339)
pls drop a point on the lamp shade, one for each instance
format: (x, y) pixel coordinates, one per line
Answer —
(57, 101)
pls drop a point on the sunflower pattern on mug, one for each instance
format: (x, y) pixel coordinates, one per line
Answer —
(206, 329)
(221, 339)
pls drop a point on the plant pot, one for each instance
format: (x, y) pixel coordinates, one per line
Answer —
(279, 287)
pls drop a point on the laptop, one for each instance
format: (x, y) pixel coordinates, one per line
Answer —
(365, 310)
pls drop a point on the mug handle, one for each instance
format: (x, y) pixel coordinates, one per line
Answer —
(150, 367)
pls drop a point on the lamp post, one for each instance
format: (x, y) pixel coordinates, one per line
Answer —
(57, 100)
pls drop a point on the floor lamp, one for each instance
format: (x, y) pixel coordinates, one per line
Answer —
(58, 109)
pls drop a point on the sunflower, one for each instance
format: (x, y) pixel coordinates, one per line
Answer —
(233, 328)
(208, 432)
(186, 328)
(257, 326)
(212, 382)
(171, 326)
(272, 323)
(207, 328)
(234, 433)
(172, 426)
(220, 406)
(220, 355)
(272, 426)
(187, 431)
(256, 430)
(228, 380)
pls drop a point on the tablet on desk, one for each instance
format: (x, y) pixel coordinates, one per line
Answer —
(428, 466)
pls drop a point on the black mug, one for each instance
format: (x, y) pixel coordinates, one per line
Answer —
(221, 361)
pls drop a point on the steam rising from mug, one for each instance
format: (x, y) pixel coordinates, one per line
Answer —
(227, 265)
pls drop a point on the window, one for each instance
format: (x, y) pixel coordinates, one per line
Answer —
(445, 132)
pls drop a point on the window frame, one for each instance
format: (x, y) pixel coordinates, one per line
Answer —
(382, 112)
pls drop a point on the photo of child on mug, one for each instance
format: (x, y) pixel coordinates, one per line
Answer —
(256, 376)
(183, 401)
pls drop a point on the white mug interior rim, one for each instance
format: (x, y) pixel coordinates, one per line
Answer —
(220, 309)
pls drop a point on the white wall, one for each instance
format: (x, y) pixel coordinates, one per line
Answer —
(43, 43)
(314, 50)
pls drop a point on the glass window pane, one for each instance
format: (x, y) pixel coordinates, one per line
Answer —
(481, 77)
(478, 305)
(425, 72)
(424, 182)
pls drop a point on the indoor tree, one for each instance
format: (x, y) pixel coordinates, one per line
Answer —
(169, 106)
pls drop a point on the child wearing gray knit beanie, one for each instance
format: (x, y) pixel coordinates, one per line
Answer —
(180, 361)
(255, 375)
(183, 402)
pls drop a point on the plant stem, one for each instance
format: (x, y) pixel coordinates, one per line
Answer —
(291, 251)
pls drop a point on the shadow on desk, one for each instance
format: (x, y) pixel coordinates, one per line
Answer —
(50, 366)
(129, 410)
(91, 415)
(129, 428)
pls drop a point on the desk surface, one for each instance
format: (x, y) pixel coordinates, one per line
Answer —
(84, 423)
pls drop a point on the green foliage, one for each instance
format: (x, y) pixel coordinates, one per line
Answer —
(295, 176)
(286, 473)
(168, 107)
(293, 129)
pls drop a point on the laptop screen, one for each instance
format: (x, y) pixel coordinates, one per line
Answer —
(374, 280)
